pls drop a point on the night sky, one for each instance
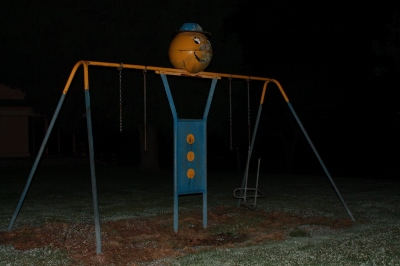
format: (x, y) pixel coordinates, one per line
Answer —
(338, 63)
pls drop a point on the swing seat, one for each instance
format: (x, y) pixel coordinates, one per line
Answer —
(239, 193)
(248, 195)
(249, 199)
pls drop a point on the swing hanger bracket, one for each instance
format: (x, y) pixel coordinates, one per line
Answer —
(121, 66)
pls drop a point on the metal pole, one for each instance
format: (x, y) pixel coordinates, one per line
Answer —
(92, 165)
(246, 174)
(209, 99)
(320, 160)
(35, 164)
(175, 118)
(205, 116)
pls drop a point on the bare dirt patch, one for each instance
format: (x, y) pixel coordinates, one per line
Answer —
(147, 239)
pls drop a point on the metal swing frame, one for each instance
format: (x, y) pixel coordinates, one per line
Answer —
(158, 70)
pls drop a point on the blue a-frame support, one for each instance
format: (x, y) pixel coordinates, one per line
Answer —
(190, 153)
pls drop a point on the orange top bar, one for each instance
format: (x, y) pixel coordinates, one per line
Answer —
(169, 71)
(174, 71)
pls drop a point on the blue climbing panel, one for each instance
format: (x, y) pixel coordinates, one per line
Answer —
(191, 156)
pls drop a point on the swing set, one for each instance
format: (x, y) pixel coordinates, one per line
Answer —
(190, 135)
(189, 159)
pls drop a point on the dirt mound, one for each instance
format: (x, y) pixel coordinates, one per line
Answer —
(147, 239)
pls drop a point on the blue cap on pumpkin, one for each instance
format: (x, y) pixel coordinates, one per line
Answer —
(191, 27)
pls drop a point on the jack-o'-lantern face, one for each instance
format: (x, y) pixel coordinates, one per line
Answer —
(191, 51)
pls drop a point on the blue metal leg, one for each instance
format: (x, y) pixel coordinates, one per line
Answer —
(93, 173)
(205, 209)
(35, 164)
(320, 160)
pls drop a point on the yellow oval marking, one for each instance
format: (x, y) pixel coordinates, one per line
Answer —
(190, 138)
(190, 173)
(190, 156)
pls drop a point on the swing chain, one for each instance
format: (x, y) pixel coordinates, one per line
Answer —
(248, 111)
(145, 108)
(230, 115)
(120, 96)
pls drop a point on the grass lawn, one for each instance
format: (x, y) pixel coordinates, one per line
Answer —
(301, 221)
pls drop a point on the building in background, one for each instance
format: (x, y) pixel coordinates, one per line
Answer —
(14, 123)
